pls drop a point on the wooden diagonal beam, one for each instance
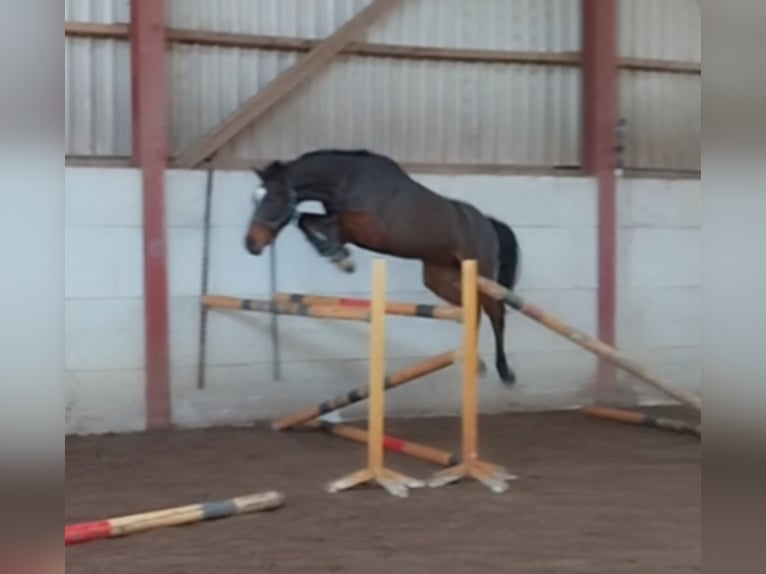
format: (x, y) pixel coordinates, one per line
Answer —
(268, 97)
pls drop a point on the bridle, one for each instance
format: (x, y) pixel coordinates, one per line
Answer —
(276, 223)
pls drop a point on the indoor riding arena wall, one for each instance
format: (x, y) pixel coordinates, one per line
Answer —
(658, 318)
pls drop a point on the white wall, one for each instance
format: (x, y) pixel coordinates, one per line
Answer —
(555, 219)
(659, 319)
(103, 300)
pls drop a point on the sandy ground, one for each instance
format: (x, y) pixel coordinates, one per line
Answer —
(592, 496)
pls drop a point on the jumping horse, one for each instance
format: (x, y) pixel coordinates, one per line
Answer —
(371, 202)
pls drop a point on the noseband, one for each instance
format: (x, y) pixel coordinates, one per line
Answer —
(289, 213)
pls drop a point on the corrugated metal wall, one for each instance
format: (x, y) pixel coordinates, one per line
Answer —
(414, 111)
(417, 111)
(429, 112)
(101, 11)
(663, 111)
(97, 84)
(293, 18)
(491, 24)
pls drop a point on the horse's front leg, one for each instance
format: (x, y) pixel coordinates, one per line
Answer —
(323, 232)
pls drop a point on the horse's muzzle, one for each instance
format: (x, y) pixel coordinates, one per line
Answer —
(251, 246)
(258, 238)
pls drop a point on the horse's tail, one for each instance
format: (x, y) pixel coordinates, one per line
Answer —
(510, 254)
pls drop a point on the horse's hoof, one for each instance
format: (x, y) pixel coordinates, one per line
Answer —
(482, 369)
(343, 260)
(507, 376)
(346, 265)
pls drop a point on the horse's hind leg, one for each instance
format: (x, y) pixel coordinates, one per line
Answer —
(322, 231)
(444, 282)
(495, 310)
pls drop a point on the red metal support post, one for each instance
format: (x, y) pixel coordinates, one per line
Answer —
(147, 43)
(600, 99)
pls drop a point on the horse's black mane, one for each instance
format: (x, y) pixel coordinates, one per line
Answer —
(272, 170)
(332, 151)
(276, 168)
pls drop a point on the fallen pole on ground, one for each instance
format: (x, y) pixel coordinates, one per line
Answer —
(446, 312)
(397, 379)
(275, 307)
(642, 419)
(593, 345)
(131, 524)
(393, 444)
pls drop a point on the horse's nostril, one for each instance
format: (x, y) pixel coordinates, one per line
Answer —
(250, 246)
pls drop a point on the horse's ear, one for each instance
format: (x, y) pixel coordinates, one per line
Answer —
(274, 169)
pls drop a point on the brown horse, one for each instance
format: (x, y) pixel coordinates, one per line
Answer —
(371, 202)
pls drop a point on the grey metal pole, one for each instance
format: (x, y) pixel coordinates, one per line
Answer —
(276, 358)
(202, 346)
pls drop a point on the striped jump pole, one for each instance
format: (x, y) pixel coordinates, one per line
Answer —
(402, 377)
(593, 345)
(131, 524)
(446, 312)
(641, 419)
(392, 444)
(286, 308)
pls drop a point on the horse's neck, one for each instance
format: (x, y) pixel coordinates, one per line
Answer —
(313, 184)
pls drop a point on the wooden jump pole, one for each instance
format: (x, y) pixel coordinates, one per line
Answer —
(395, 483)
(446, 312)
(131, 524)
(392, 444)
(354, 309)
(585, 341)
(491, 475)
(397, 379)
(641, 419)
(277, 308)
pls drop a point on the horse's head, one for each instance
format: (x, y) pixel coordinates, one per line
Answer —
(273, 207)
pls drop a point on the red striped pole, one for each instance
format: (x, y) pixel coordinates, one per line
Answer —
(422, 310)
(126, 525)
(390, 443)
(641, 419)
(279, 308)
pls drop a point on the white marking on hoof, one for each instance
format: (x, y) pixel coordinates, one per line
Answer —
(346, 265)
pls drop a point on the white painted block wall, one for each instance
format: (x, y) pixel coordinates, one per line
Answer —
(659, 319)
(103, 308)
(555, 219)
